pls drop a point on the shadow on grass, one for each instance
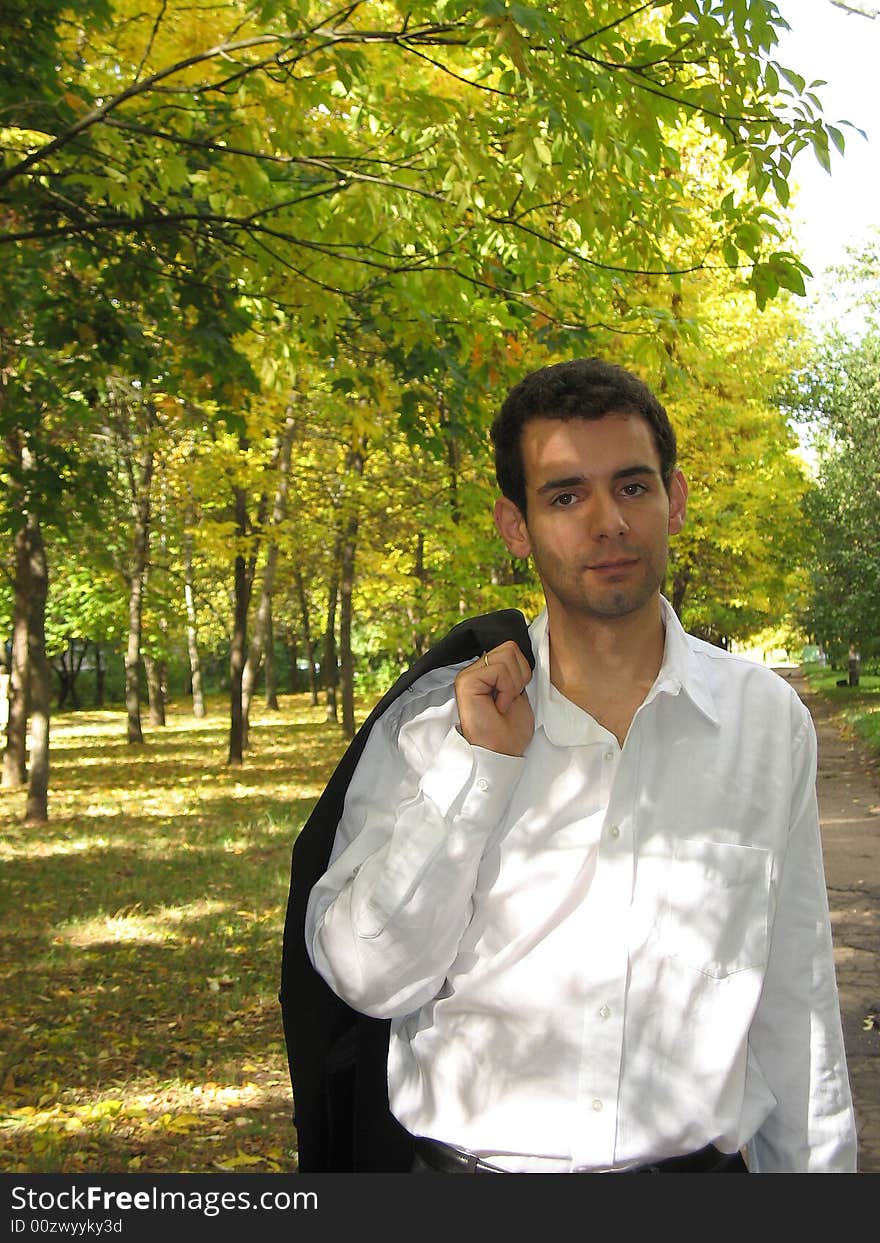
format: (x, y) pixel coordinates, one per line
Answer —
(139, 1021)
(297, 752)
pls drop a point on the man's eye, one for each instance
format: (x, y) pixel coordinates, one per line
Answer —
(564, 499)
(633, 489)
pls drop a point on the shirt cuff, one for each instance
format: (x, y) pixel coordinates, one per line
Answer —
(482, 779)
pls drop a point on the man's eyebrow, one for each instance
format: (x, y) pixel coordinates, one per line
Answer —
(573, 481)
(640, 469)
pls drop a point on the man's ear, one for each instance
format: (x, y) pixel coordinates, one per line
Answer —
(511, 526)
(678, 494)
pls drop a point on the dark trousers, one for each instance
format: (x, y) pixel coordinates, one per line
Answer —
(432, 1157)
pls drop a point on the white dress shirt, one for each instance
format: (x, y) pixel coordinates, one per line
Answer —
(595, 956)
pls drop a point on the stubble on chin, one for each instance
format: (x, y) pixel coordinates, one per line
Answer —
(608, 605)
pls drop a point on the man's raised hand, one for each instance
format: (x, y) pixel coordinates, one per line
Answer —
(492, 709)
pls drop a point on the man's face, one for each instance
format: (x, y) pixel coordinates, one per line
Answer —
(599, 516)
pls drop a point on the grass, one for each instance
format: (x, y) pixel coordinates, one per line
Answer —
(858, 707)
(140, 942)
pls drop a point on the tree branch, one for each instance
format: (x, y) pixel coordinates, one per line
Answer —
(156, 24)
(429, 34)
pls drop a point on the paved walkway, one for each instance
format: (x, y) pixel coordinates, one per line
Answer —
(849, 811)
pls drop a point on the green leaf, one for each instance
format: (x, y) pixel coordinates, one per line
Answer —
(793, 79)
(530, 166)
(789, 276)
(837, 138)
(542, 151)
(823, 155)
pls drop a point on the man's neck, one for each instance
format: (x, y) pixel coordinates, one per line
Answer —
(606, 666)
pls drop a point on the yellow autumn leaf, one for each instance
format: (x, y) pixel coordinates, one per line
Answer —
(105, 1109)
(239, 1160)
(181, 1123)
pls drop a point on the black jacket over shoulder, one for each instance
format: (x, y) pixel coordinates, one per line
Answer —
(337, 1057)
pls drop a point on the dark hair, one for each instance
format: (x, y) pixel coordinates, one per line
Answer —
(584, 388)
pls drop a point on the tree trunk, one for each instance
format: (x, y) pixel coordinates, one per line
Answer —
(308, 641)
(132, 665)
(4, 689)
(192, 628)
(680, 582)
(291, 647)
(447, 431)
(345, 611)
(256, 651)
(262, 621)
(270, 667)
(40, 684)
(64, 678)
(416, 611)
(141, 496)
(74, 674)
(346, 587)
(68, 669)
(329, 672)
(157, 676)
(162, 670)
(99, 677)
(854, 666)
(238, 647)
(15, 753)
(156, 688)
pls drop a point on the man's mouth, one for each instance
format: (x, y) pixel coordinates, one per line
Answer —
(612, 567)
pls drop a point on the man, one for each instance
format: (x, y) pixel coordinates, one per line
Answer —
(590, 899)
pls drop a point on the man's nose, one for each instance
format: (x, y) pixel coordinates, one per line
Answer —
(606, 516)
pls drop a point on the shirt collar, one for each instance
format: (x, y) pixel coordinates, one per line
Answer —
(565, 724)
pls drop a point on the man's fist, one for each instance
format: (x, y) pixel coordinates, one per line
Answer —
(493, 711)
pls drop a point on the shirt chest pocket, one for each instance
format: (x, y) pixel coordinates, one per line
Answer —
(715, 912)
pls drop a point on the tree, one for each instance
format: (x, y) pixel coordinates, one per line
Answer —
(137, 450)
(835, 394)
(56, 374)
(172, 178)
(427, 152)
(843, 395)
(736, 568)
(261, 638)
(43, 367)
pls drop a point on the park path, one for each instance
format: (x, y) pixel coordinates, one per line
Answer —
(848, 784)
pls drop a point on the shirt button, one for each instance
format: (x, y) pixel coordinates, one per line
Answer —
(482, 784)
(604, 1012)
(614, 831)
(597, 1106)
(609, 755)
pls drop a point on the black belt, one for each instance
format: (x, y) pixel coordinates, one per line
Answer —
(442, 1158)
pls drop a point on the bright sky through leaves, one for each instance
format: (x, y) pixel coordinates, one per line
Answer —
(843, 48)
